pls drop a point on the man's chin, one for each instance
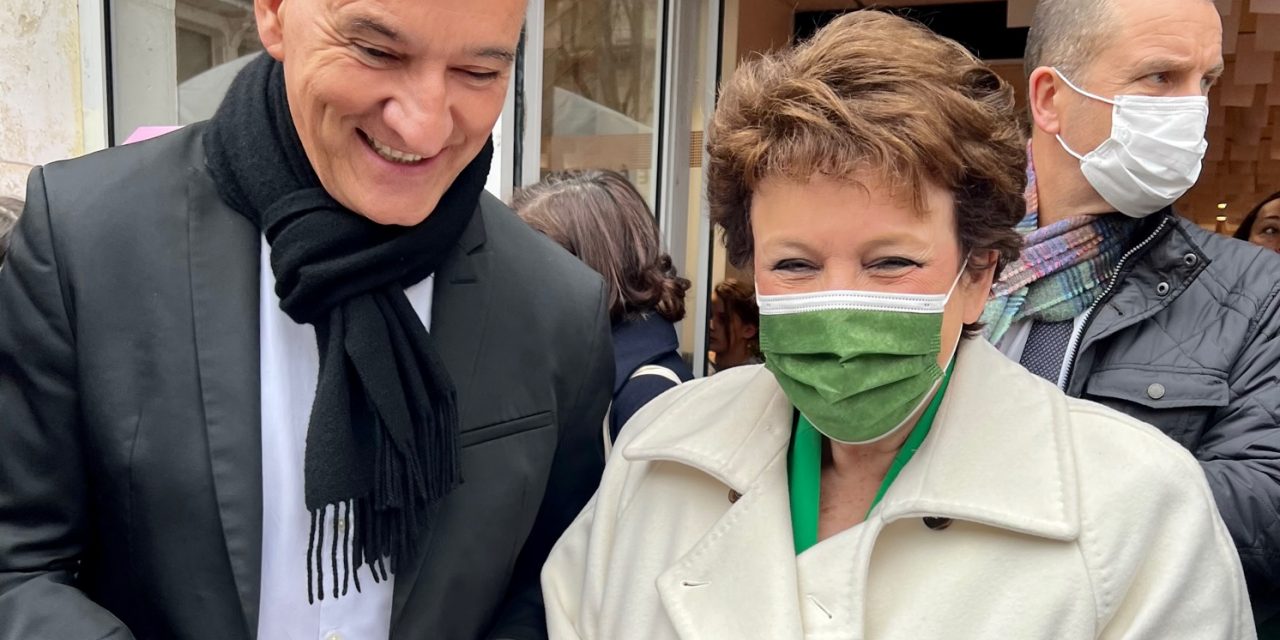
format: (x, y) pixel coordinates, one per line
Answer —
(406, 214)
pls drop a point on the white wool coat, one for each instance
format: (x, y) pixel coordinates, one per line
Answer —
(1069, 521)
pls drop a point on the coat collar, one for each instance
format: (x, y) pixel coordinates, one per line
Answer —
(1166, 253)
(998, 454)
(639, 341)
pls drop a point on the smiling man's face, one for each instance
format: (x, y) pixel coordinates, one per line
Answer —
(392, 98)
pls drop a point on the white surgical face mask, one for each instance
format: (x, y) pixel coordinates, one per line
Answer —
(1154, 153)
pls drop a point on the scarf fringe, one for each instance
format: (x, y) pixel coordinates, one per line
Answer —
(386, 524)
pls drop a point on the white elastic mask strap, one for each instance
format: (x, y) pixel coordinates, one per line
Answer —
(963, 266)
(1069, 149)
(1084, 93)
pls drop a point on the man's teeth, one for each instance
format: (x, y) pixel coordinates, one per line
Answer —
(393, 155)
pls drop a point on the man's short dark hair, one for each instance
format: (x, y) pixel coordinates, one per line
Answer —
(1067, 34)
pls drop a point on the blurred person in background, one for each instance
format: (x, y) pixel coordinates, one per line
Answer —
(1262, 225)
(734, 333)
(10, 209)
(599, 217)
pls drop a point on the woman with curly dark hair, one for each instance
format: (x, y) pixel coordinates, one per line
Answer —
(600, 218)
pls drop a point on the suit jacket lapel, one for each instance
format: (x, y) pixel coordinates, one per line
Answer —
(224, 250)
(459, 311)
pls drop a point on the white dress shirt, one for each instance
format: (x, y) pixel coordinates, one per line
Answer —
(289, 365)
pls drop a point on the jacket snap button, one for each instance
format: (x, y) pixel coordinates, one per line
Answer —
(937, 524)
(734, 496)
(1155, 391)
(1190, 259)
(1162, 289)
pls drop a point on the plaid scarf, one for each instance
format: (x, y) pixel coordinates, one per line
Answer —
(1064, 267)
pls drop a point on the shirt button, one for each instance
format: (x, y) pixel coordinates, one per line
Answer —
(333, 635)
(734, 496)
(1190, 259)
(1155, 391)
(342, 524)
(1162, 289)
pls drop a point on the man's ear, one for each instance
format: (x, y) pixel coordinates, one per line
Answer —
(270, 18)
(1042, 94)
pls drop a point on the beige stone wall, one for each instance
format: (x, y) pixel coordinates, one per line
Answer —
(40, 86)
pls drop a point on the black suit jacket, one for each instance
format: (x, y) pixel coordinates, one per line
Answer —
(130, 442)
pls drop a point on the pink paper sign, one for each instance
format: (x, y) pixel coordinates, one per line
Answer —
(146, 133)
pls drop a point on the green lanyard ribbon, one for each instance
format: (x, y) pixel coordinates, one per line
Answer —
(805, 469)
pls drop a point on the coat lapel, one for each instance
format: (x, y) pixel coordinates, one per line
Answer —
(459, 311)
(998, 454)
(752, 542)
(224, 249)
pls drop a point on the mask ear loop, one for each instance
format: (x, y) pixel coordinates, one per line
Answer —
(956, 347)
(1086, 94)
(1082, 91)
(963, 267)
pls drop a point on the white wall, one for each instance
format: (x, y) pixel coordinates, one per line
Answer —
(145, 54)
(40, 86)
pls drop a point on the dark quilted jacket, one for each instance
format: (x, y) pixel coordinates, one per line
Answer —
(1188, 341)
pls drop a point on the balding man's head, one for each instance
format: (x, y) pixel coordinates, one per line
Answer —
(1066, 34)
(1069, 34)
(1109, 49)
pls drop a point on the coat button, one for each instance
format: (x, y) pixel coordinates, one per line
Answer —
(1155, 391)
(937, 524)
(734, 496)
(1190, 259)
(1162, 289)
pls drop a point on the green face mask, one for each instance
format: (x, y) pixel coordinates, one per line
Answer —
(857, 364)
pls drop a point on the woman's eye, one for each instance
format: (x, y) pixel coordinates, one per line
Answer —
(894, 264)
(1159, 78)
(792, 266)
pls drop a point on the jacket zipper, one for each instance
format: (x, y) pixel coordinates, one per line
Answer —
(1074, 346)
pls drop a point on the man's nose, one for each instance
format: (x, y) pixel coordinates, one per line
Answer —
(421, 116)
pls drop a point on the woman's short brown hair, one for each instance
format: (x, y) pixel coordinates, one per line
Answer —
(872, 92)
(600, 218)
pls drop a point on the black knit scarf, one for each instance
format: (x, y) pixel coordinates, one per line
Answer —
(382, 443)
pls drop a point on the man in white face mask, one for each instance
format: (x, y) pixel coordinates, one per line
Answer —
(1117, 299)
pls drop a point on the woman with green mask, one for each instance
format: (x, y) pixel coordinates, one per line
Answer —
(883, 474)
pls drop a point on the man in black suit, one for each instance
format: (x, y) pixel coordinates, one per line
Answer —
(291, 373)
